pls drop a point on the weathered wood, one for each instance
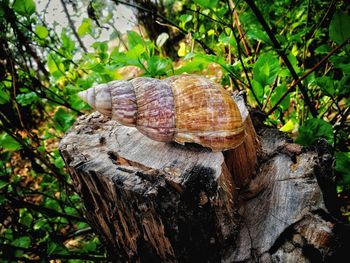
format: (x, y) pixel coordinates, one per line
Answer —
(242, 161)
(282, 210)
(151, 201)
(163, 202)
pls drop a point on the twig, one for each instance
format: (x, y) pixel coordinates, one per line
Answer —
(238, 25)
(71, 23)
(183, 31)
(5, 125)
(207, 16)
(14, 86)
(279, 50)
(270, 94)
(240, 57)
(41, 209)
(330, 8)
(79, 232)
(306, 34)
(319, 64)
(42, 254)
(23, 40)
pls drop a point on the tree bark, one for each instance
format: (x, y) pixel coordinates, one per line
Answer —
(164, 202)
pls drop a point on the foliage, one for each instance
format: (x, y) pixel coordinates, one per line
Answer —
(292, 60)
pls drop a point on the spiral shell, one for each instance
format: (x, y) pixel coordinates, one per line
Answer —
(184, 108)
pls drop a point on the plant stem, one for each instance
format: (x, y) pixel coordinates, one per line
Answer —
(319, 64)
(71, 23)
(41, 209)
(280, 52)
(207, 49)
(231, 7)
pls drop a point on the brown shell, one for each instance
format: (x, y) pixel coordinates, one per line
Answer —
(205, 113)
(184, 108)
(155, 109)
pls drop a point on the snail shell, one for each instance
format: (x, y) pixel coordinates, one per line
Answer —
(184, 108)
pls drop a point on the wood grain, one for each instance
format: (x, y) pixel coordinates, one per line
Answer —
(162, 202)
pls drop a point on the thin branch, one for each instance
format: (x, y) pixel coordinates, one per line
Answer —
(79, 232)
(207, 16)
(318, 65)
(274, 86)
(240, 56)
(44, 89)
(23, 40)
(183, 31)
(346, 113)
(7, 247)
(41, 209)
(30, 149)
(306, 35)
(280, 52)
(71, 24)
(328, 12)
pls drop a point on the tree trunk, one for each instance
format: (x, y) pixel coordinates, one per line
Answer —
(164, 202)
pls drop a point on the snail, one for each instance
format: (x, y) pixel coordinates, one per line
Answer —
(183, 108)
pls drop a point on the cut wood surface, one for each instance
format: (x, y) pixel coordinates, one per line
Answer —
(163, 202)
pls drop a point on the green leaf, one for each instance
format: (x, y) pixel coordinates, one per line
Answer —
(253, 28)
(59, 163)
(27, 98)
(53, 247)
(8, 143)
(344, 67)
(85, 27)
(40, 224)
(277, 94)
(24, 7)
(2, 199)
(314, 129)
(4, 97)
(327, 85)
(288, 127)
(342, 166)
(89, 246)
(293, 60)
(41, 31)
(258, 90)
(55, 64)
(25, 217)
(195, 64)
(68, 43)
(53, 204)
(3, 184)
(63, 120)
(344, 85)
(266, 69)
(157, 66)
(134, 39)
(184, 19)
(2, 12)
(206, 3)
(23, 242)
(135, 53)
(323, 49)
(226, 39)
(100, 46)
(339, 29)
(131, 57)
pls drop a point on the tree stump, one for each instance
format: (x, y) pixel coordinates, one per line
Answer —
(163, 202)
